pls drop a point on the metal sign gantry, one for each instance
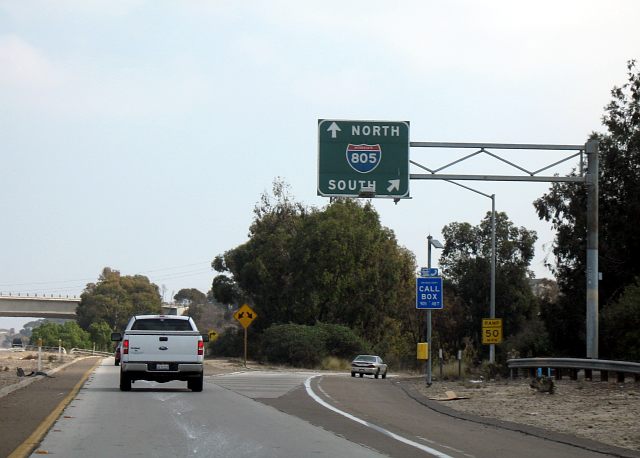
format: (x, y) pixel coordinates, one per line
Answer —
(588, 178)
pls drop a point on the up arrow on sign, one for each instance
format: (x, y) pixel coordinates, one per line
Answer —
(334, 129)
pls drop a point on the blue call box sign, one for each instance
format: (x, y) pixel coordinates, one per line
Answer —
(429, 293)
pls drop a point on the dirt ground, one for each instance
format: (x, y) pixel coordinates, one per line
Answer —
(10, 361)
(606, 412)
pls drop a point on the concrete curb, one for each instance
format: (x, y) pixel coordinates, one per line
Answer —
(407, 386)
(29, 380)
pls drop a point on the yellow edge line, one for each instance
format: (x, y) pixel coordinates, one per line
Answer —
(35, 438)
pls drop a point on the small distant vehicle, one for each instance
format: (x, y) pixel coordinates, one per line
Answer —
(117, 354)
(370, 365)
(17, 344)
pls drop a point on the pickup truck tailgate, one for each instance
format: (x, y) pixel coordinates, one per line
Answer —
(151, 346)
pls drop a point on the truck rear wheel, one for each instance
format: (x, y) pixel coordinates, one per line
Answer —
(195, 383)
(125, 382)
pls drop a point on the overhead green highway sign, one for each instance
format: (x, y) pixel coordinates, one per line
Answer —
(363, 158)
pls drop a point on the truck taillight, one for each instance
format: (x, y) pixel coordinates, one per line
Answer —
(125, 347)
(200, 347)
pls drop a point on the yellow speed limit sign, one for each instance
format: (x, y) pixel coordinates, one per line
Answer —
(491, 331)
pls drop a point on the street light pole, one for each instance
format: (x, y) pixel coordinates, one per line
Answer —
(492, 306)
(437, 244)
(429, 238)
(492, 298)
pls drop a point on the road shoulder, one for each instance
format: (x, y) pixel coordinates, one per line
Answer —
(408, 386)
(26, 408)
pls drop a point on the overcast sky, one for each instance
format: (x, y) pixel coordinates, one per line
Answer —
(139, 135)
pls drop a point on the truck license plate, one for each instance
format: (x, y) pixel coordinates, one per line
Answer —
(162, 367)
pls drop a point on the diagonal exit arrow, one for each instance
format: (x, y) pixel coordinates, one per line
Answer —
(394, 184)
(334, 129)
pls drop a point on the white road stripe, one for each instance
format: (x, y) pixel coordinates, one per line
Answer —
(319, 400)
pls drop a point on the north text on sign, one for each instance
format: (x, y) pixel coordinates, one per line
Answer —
(375, 131)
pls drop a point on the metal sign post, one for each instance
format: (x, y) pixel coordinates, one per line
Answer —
(245, 315)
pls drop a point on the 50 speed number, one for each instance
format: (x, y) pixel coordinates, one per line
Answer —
(491, 331)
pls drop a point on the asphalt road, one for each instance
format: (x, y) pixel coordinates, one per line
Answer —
(259, 414)
(23, 410)
(167, 420)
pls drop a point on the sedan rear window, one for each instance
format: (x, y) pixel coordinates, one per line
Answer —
(158, 324)
(369, 359)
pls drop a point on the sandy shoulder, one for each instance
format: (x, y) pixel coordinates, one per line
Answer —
(10, 361)
(602, 411)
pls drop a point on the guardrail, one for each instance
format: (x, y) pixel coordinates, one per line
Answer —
(574, 365)
(81, 351)
(78, 351)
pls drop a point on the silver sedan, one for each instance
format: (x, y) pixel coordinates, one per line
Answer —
(368, 364)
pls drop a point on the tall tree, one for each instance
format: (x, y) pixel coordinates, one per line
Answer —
(195, 299)
(115, 298)
(619, 206)
(466, 264)
(338, 265)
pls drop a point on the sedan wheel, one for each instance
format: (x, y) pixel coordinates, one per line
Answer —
(377, 374)
(384, 375)
(353, 374)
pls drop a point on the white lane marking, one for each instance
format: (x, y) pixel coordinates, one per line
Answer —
(319, 400)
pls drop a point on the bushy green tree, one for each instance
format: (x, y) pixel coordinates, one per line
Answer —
(195, 299)
(100, 333)
(115, 298)
(337, 265)
(619, 214)
(466, 264)
(71, 335)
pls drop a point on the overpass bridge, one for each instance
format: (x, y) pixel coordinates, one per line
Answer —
(56, 307)
(38, 306)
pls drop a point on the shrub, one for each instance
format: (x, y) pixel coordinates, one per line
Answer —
(230, 343)
(307, 346)
(532, 341)
(331, 363)
(341, 341)
(294, 344)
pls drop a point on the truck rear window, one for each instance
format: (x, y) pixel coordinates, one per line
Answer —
(158, 324)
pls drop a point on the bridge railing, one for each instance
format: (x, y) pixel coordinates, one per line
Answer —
(76, 351)
(82, 351)
(574, 365)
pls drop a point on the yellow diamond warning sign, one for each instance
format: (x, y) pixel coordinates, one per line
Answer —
(245, 315)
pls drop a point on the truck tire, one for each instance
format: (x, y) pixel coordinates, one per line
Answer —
(125, 382)
(195, 383)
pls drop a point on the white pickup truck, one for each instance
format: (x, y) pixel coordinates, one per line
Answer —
(161, 348)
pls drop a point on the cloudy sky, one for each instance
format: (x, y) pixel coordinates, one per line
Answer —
(140, 134)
